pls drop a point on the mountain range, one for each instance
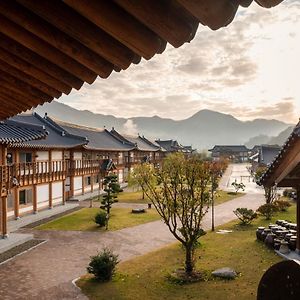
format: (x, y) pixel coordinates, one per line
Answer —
(202, 130)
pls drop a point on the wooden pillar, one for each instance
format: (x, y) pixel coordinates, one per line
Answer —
(4, 231)
(82, 184)
(64, 192)
(4, 216)
(72, 166)
(298, 220)
(92, 182)
(50, 180)
(50, 195)
(16, 202)
(34, 200)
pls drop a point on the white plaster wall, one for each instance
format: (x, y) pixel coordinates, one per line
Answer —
(42, 191)
(57, 155)
(25, 209)
(42, 160)
(57, 192)
(10, 213)
(77, 185)
(42, 155)
(77, 158)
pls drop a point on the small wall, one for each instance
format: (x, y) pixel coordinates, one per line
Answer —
(77, 185)
(42, 192)
(57, 192)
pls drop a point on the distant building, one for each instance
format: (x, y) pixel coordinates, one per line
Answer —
(234, 153)
(263, 155)
(174, 146)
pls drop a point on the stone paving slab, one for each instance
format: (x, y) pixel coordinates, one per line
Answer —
(14, 239)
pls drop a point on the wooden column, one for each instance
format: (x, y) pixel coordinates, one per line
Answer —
(4, 231)
(92, 182)
(50, 179)
(298, 220)
(4, 216)
(34, 186)
(34, 200)
(16, 202)
(64, 192)
(82, 184)
(72, 165)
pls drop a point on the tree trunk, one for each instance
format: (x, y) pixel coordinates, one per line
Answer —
(189, 266)
(143, 195)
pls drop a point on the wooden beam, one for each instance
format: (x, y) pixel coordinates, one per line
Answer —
(13, 99)
(287, 160)
(48, 33)
(50, 181)
(213, 13)
(45, 50)
(119, 24)
(163, 17)
(81, 29)
(289, 167)
(24, 88)
(34, 72)
(35, 83)
(268, 3)
(39, 62)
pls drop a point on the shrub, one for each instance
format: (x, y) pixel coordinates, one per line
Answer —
(267, 210)
(245, 215)
(103, 265)
(100, 218)
(282, 205)
(238, 186)
(289, 193)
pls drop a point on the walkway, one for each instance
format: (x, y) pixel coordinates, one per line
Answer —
(46, 272)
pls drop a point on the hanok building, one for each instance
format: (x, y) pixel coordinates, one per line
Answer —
(284, 171)
(12, 132)
(173, 146)
(233, 153)
(69, 163)
(263, 156)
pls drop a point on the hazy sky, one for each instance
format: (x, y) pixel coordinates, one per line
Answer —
(250, 69)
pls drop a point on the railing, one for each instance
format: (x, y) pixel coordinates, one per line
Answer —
(24, 174)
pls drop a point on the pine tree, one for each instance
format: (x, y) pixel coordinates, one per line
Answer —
(111, 189)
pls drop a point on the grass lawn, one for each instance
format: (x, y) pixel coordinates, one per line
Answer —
(224, 196)
(145, 277)
(82, 220)
(137, 197)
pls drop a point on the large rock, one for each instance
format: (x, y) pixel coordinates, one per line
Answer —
(226, 273)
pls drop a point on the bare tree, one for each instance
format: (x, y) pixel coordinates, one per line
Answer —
(180, 193)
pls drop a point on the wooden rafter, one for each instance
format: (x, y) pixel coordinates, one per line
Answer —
(47, 48)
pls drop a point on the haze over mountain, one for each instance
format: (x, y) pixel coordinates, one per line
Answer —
(202, 130)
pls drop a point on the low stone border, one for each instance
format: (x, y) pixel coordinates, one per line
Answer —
(17, 250)
(46, 220)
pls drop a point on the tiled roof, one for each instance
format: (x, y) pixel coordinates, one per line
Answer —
(229, 148)
(170, 145)
(17, 132)
(56, 138)
(140, 143)
(97, 139)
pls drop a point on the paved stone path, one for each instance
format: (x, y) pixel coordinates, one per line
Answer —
(46, 272)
